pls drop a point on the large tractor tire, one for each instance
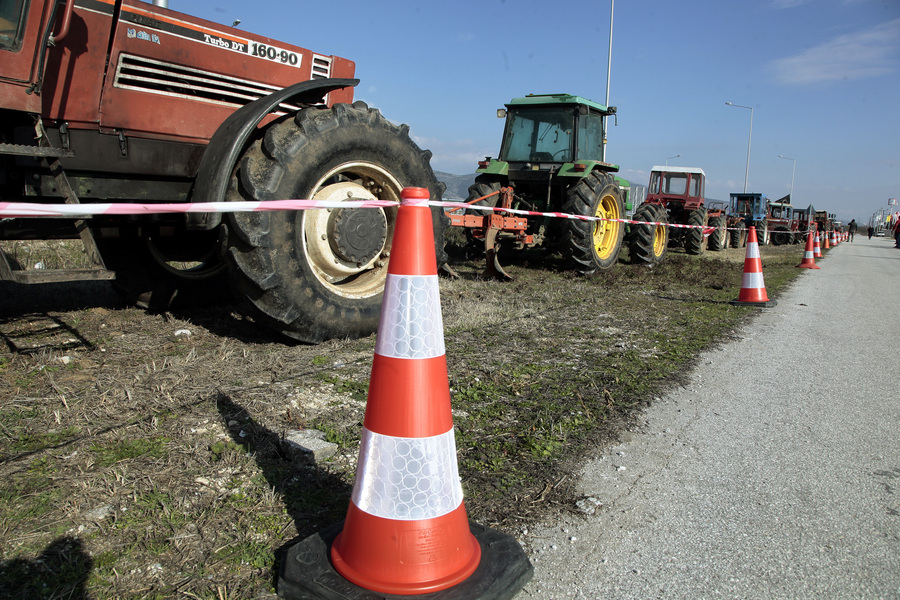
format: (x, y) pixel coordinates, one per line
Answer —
(485, 185)
(647, 244)
(718, 239)
(738, 237)
(593, 246)
(160, 273)
(693, 239)
(762, 232)
(320, 274)
(782, 236)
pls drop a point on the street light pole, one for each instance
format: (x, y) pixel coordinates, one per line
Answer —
(612, 10)
(793, 168)
(749, 140)
(670, 158)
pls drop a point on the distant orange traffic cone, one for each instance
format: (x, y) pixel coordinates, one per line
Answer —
(817, 249)
(406, 530)
(826, 235)
(809, 255)
(753, 290)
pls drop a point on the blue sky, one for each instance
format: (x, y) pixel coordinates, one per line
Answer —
(822, 76)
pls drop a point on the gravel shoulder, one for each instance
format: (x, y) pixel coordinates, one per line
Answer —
(772, 473)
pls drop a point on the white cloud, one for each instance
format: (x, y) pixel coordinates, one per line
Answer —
(858, 55)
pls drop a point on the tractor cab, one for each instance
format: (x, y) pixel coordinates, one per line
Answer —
(781, 212)
(552, 133)
(681, 186)
(748, 207)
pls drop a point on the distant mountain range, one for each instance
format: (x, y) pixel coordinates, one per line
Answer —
(457, 185)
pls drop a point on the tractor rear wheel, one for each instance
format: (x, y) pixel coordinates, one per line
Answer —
(648, 244)
(782, 236)
(738, 236)
(319, 274)
(485, 185)
(693, 239)
(593, 246)
(718, 239)
(159, 272)
(762, 232)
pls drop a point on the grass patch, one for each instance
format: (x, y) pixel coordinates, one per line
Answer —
(112, 452)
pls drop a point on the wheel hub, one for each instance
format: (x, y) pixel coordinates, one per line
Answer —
(357, 235)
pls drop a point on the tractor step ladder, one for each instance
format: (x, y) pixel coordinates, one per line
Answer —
(10, 271)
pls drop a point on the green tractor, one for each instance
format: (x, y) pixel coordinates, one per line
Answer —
(551, 160)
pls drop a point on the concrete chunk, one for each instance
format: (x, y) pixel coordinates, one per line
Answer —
(307, 446)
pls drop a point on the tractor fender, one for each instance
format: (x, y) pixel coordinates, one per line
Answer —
(228, 142)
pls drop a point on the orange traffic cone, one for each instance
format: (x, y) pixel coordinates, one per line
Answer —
(753, 290)
(809, 257)
(826, 235)
(406, 530)
(817, 249)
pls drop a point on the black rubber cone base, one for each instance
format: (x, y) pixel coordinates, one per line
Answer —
(307, 573)
(766, 304)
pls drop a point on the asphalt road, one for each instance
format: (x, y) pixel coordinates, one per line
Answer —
(774, 474)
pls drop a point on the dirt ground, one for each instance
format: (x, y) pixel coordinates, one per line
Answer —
(143, 455)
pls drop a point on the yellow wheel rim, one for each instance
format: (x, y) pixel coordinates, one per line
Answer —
(659, 240)
(606, 233)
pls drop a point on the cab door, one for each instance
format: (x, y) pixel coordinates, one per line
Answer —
(22, 25)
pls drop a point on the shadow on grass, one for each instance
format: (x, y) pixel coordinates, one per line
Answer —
(313, 497)
(60, 571)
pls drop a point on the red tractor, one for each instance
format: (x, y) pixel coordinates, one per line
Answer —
(675, 196)
(783, 224)
(127, 102)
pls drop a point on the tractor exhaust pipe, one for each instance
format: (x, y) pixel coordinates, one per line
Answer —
(161, 3)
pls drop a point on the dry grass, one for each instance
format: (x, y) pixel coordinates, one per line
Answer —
(140, 454)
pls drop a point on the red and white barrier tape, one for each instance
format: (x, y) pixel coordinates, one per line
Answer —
(29, 209)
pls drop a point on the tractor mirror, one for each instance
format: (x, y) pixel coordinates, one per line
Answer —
(501, 113)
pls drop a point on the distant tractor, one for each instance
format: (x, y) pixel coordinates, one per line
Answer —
(825, 221)
(748, 210)
(803, 220)
(551, 160)
(632, 195)
(675, 196)
(780, 220)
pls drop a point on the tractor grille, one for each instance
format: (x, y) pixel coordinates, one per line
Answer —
(158, 77)
(321, 66)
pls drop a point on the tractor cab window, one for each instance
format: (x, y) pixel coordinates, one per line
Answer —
(539, 134)
(742, 207)
(781, 212)
(12, 23)
(695, 185)
(590, 137)
(675, 184)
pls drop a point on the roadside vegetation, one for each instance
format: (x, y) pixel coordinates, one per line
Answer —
(141, 455)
